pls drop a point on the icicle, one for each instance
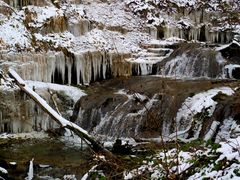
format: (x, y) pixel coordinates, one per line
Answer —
(30, 171)
(153, 32)
(1, 123)
(146, 69)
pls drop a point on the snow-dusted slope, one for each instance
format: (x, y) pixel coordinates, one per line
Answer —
(66, 26)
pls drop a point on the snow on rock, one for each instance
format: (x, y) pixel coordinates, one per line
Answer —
(212, 130)
(72, 92)
(42, 14)
(125, 141)
(184, 3)
(228, 160)
(225, 174)
(198, 104)
(183, 158)
(6, 83)
(110, 38)
(189, 19)
(157, 171)
(13, 33)
(105, 40)
(229, 70)
(228, 129)
(222, 47)
(64, 39)
(167, 42)
(230, 149)
(2, 3)
(111, 15)
(119, 32)
(127, 175)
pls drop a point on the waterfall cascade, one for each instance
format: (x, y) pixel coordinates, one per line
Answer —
(84, 42)
(195, 62)
(150, 106)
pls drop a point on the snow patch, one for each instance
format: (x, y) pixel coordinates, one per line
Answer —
(4, 171)
(72, 92)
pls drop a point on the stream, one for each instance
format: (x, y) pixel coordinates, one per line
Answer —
(52, 159)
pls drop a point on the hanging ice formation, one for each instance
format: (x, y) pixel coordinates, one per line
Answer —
(73, 68)
(20, 3)
(20, 114)
(190, 24)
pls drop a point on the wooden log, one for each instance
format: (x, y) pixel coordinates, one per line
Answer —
(54, 102)
(83, 134)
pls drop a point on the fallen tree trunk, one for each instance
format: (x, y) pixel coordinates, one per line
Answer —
(94, 145)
